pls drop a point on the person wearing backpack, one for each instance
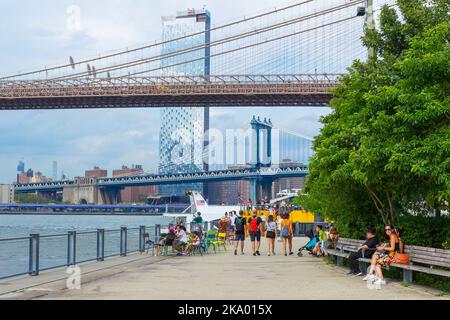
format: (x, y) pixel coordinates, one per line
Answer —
(239, 232)
(286, 234)
(254, 225)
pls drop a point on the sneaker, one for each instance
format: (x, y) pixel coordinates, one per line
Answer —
(379, 282)
(291, 253)
(369, 277)
(254, 254)
(179, 254)
(359, 274)
(257, 252)
(235, 252)
(351, 273)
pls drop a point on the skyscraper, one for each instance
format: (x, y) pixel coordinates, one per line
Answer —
(55, 171)
(183, 140)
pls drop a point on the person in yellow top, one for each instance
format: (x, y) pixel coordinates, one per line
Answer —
(287, 233)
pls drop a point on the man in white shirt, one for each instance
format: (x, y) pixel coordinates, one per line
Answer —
(181, 240)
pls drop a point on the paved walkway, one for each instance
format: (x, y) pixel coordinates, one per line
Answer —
(220, 276)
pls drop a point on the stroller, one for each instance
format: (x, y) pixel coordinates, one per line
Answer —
(313, 239)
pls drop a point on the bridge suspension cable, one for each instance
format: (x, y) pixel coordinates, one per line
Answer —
(157, 44)
(216, 43)
(226, 40)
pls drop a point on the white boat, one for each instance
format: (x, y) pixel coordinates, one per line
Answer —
(208, 212)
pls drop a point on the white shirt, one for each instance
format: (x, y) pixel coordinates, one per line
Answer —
(271, 226)
(182, 236)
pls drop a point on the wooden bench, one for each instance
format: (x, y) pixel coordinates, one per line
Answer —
(422, 259)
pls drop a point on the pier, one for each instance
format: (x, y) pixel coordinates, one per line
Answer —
(214, 276)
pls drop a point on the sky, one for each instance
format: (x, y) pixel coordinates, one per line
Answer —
(36, 33)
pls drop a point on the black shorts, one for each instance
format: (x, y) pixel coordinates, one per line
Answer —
(255, 236)
(270, 234)
(239, 236)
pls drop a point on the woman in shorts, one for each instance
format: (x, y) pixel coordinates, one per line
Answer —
(271, 233)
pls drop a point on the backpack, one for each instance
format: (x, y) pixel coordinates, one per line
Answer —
(285, 231)
(239, 223)
(254, 225)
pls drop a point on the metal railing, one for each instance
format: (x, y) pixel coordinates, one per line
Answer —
(35, 253)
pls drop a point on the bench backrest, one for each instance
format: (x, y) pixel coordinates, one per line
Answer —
(431, 256)
(425, 255)
(349, 243)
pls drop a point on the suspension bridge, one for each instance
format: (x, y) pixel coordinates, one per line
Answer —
(290, 56)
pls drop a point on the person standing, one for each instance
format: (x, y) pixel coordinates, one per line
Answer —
(198, 223)
(287, 234)
(254, 225)
(279, 220)
(366, 250)
(249, 204)
(271, 231)
(240, 230)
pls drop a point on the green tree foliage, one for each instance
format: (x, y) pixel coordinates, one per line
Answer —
(385, 149)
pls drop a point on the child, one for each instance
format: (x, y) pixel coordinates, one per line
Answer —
(195, 241)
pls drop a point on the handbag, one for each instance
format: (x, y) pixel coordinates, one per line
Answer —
(401, 258)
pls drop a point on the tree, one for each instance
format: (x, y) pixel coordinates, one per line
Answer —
(384, 148)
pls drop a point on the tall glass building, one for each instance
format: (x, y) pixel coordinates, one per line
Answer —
(183, 140)
(293, 147)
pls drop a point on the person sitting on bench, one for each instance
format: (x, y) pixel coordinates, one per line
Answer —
(369, 247)
(384, 256)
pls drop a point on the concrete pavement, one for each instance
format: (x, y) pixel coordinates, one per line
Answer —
(219, 276)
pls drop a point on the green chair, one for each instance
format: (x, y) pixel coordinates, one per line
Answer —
(221, 241)
(211, 238)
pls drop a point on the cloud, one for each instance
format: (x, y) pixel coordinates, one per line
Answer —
(135, 133)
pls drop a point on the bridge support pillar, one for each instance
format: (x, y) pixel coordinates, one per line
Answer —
(253, 190)
(266, 190)
(260, 189)
(110, 196)
(50, 195)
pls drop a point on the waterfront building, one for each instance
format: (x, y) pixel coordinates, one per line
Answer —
(134, 194)
(96, 172)
(183, 140)
(229, 192)
(6, 194)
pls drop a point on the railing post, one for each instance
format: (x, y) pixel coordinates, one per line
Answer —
(33, 268)
(100, 244)
(71, 248)
(141, 239)
(123, 241)
(157, 233)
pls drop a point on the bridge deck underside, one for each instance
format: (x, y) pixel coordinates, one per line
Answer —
(156, 101)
